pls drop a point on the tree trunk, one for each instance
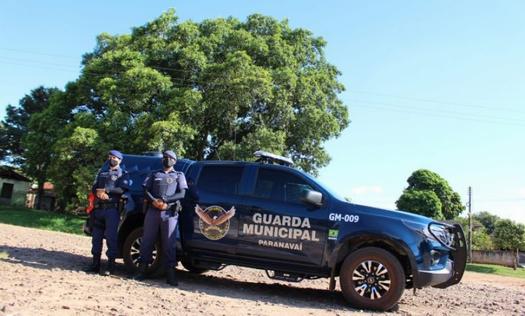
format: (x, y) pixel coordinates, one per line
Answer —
(40, 194)
(516, 259)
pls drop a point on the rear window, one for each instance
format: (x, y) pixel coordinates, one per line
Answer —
(220, 179)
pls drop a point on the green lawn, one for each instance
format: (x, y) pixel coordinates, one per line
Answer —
(495, 269)
(21, 216)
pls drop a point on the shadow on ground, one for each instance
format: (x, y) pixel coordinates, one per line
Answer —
(266, 293)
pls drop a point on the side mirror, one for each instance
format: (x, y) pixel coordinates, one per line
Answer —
(314, 197)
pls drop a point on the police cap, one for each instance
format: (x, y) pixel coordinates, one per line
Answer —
(115, 153)
(169, 153)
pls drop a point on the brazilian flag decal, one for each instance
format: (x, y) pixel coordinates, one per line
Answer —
(333, 233)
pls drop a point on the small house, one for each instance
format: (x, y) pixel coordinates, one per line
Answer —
(13, 187)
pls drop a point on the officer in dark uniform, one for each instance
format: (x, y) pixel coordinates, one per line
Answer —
(162, 189)
(109, 186)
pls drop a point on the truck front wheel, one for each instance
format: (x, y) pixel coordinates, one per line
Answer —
(372, 278)
(131, 252)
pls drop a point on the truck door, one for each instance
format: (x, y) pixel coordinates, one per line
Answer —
(209, 224)
(277, 224)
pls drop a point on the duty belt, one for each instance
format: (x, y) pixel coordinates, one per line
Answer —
(106, 205)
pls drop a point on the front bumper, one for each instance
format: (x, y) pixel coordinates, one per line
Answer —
(453, 271)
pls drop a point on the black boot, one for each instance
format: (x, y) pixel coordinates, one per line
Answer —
(141, 272)
(110, 268)
(171, 279)
(94, 267)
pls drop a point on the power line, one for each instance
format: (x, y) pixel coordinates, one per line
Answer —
(434, 111)
(434, 101)
(36, 53)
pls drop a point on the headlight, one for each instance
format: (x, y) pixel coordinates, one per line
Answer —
(442, 234)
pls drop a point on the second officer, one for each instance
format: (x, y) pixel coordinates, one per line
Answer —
(162, 189)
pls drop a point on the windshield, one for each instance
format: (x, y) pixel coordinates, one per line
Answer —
(325, 187)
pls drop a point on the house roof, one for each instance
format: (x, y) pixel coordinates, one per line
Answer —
(9, 173)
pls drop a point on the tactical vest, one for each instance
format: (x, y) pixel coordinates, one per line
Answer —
(164, 184)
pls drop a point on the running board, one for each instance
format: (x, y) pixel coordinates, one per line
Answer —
(284, 276)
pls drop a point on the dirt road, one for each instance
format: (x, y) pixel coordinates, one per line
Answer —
(39, 274)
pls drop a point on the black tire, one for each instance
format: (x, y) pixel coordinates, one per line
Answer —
(372, 278)
(130, 254)
(193, 269)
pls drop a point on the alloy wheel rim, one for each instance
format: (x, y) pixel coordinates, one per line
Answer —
(371, 279)
(135, 252)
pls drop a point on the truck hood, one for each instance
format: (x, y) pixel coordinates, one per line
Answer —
(395, 215)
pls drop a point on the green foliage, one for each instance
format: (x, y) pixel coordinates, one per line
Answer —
(487, 219)
(218, 89)
(421, 202)
(44, 129)
(509, 235)
(417, 196)
(41, 219)
(15, 124)
(481, 240)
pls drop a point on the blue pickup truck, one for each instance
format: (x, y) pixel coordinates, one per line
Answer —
(287, 223)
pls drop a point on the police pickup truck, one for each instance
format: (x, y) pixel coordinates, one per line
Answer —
(287, 223)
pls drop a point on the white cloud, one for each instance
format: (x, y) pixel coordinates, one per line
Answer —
(521, 192)
(366, 189)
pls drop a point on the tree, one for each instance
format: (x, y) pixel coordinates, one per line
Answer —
(43, 130)
(218, 89)
(481, 240)
(15, 124)
(421, 184)
(425, 203)
(509, 236)
(487, 219)
(226, 88)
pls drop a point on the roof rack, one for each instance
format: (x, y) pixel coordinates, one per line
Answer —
(269, 158)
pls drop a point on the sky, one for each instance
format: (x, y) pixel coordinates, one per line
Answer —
(435, 84)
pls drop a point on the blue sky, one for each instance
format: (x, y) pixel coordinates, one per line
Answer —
(430, 84)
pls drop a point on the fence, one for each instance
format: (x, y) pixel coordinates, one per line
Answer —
(501, 257)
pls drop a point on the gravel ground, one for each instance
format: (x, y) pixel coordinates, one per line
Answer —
(40, 274)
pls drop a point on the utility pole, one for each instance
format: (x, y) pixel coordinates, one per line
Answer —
(470, 224)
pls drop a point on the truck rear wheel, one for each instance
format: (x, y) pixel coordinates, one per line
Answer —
(372, 278)
(131, 253)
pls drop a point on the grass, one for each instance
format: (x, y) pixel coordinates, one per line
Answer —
(21, 216)
(495, 269)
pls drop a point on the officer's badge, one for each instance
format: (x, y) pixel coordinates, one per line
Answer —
(169, 180)
(214, 221)
(114, 177)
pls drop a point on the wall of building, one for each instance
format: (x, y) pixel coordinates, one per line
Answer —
(20, 189)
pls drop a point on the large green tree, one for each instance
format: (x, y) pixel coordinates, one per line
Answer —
(424, 189)
(16, 121)
(509, 235)
(45, 128)
(217, 89)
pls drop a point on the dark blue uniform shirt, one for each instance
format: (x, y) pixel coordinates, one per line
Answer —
(115, 182)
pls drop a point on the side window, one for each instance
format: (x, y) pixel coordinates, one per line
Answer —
(220, 179)
(280, 185)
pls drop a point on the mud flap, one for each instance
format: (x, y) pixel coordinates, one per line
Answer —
(458, 256)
